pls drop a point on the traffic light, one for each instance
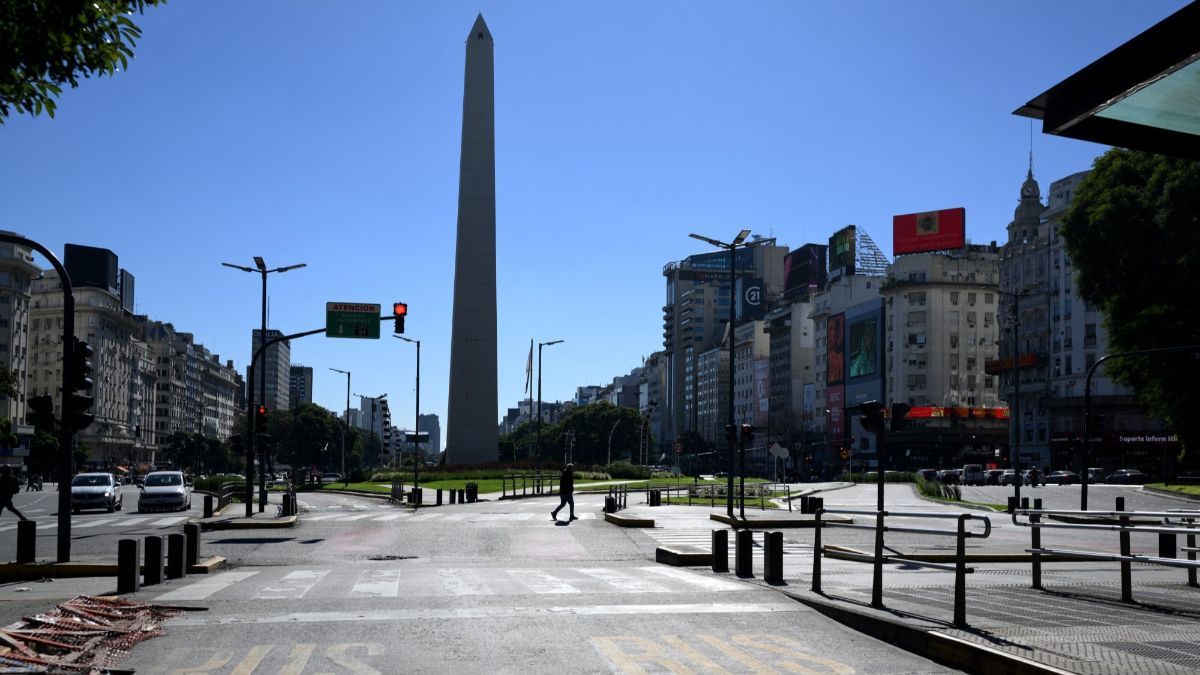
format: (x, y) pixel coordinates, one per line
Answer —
(872, 416)
(260, 417)
(731, 434)
(41, 414)
(399, 310)
(747, 435)
(900, 416)
(78, 409)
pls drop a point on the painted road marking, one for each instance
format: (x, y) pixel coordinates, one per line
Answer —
(542, 582)
(378, 583)
(357, 516)
(623, 582)
(324, 516)
(203, 589)
(706, 582)
(163, 522)
(456, 582)
(390, 516)
(292, 586)
(93, 523)
(490, 612)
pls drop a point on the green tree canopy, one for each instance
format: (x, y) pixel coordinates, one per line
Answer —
(45, 44)
(1133, 234)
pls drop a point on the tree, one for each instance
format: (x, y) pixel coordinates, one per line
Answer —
(1133, 234)
(47, 43)
(8, 383)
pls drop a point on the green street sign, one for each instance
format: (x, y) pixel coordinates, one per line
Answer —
(351, 320)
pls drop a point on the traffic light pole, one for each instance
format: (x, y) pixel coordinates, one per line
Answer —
(66, 440)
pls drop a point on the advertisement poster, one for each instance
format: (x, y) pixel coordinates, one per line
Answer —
(864, 345)
(836, 343)
(841, 249)
(929, 231)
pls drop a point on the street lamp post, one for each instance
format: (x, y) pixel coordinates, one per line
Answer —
(732, 248)
(346, 422)
(416, 417)
(260, 267)
(1015, 318)
(371, 431)
(539, 405)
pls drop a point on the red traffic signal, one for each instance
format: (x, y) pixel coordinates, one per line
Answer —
(400, 308)
(260, 416)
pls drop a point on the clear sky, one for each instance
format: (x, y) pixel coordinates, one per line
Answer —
(328, 133)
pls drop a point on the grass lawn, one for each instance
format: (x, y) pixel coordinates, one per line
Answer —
(487, 485)
(1182, 489)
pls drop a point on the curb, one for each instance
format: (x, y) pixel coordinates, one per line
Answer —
(945, 649)
(626, 521)
(19, 571)
(1169, 493)
(683, 556)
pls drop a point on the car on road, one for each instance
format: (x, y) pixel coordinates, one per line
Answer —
(95, 491)
(331, 478)
(164, 490)
(1009, 477)
(972, 474)
(1127, 477)
(1062, 478)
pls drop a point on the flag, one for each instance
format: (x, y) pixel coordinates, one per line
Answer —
(529, 370)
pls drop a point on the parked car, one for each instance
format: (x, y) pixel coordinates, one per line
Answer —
(331, 478)
(164, 490)
(992, 476)
(948, 476)
(95, 491)
(1062, 478)
(928, 474)
(1008, 477)
(1126, 477)
(972, 474)
(1095, 474)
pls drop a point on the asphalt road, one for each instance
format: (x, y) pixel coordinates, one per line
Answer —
(361, 586)
(94, 533)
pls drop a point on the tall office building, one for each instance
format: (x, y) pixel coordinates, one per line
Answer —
(471, 430)
(301, 385)
(275, 366)
(17, 272)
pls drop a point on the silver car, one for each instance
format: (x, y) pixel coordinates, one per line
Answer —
(95, 491)
(164, 490)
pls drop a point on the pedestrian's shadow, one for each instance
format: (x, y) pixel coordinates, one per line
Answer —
(562, 523)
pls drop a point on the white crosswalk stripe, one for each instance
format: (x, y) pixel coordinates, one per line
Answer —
(392, 582)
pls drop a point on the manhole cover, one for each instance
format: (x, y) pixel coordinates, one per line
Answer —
(392, 557)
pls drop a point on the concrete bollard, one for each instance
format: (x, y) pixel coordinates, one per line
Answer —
(208, 506)
(439, 496)
(743, 560)
(610, 505)
(175, 550)
(152, 571)
(418, 496)
(804, 505)
(1012, 504)
(26, 541)
(453, 496)
(191, 534)
(720, 550)
(128, 559)
(815, 504)
(462, 496)
(773, 558)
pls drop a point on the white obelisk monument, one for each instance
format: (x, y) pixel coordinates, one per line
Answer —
(472, 436)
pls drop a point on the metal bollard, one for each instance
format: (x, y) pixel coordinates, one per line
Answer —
(439, 496)
(1035, 536)
(453, 496)
(1191, 554)
(816, 573)
(720, 550)
(208, 506)
(743, 561)
(804, 507)
(1126, 573)
(1012, 504)
(773, 558)
(128, 559)
(191, 534)
(26, 541)
(462, 496)
(418, 493)
(175, 566)
(1166, 545)
(816, 503)
(152, 571)
(1024, 502)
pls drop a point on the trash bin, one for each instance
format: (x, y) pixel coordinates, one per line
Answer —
(472, 492)
(610, 505)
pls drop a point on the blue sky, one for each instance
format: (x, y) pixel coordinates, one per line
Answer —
(328, 133)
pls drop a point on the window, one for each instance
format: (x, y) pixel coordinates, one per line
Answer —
(954, 297)
(988, 299)
(971, 299)
(1089, 335)
(988, 319)
(915, 318)
(971, 363)
(971, 319)
(917, 298)
(1090, 359)
(954, 340)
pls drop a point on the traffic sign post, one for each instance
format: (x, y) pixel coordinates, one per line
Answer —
(352, 320)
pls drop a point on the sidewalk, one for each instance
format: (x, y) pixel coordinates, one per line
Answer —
(1078, 624)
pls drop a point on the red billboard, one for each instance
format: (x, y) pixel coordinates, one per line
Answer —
(929, 231)
(835, 372)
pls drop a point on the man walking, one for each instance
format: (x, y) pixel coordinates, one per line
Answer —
(9, 487)
(566, 489)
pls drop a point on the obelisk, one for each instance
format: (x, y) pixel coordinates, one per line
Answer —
(472, 436)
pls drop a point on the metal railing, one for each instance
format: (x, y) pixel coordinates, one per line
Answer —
(959, 566)
(616, 498)
(713, 493)
(397, 491)
(1171, 524)
(227, 491)
(526, 485)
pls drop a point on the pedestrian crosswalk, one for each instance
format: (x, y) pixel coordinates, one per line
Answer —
(82, 523)
(269, 583)
(427, 516)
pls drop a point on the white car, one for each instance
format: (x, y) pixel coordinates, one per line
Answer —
(95, 491)
(164, 490)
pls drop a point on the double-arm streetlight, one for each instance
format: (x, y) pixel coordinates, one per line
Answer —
(416, 417)
(1015, 320)
(347, 420)
(260, 267)
(732, 248)
(539, 406)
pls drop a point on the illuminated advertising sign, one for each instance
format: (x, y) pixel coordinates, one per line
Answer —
(751, 300)
(841, 249)
(864, 346)
(929, 231)
(804, 268)
(836, 334)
